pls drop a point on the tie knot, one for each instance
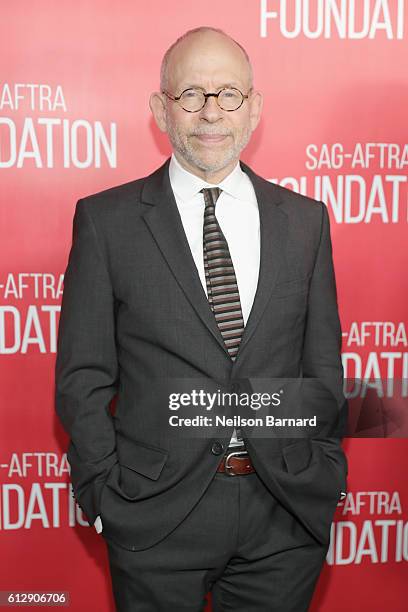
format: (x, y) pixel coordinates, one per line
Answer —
(211, 195)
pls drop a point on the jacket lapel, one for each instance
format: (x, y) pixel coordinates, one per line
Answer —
(163, 219)
(273, 229)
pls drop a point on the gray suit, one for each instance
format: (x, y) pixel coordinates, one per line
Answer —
(135, 322)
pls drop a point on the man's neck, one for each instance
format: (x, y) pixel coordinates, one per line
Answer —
(209, 177)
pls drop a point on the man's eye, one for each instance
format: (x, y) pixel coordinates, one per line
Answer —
(191, 94)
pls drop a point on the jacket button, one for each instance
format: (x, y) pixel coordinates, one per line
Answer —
(217, 448)
(235, 387)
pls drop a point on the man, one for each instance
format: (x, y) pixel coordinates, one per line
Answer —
(202, 276)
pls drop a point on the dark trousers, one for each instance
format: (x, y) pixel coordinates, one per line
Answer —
(238, 542)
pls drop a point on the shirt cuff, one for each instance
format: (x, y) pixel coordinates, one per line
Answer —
(98, 524)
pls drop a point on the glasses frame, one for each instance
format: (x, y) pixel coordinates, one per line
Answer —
(206, 96)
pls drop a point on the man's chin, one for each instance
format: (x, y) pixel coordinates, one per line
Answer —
(211, 162)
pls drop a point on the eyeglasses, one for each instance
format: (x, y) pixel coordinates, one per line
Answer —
(193, 100)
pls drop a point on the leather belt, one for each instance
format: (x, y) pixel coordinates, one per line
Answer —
(236, 463)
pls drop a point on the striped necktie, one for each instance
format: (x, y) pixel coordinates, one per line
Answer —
(222, 287)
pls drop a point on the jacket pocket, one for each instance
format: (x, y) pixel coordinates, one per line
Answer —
(290, 287)
(140, 457)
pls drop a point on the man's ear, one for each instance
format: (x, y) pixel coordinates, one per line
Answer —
(157, 106)
(256, 103)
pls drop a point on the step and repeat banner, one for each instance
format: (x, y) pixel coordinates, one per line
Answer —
(75, 81)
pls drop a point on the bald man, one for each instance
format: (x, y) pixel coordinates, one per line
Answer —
(202, 277)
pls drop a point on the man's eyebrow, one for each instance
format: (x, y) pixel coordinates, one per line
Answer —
(196, 86)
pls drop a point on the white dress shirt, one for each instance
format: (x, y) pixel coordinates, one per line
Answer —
(237, 213)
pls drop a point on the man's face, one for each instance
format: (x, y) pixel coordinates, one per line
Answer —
(210, 139)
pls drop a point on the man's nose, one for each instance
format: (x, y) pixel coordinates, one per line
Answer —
(211, 111)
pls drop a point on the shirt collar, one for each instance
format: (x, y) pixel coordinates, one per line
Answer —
(186, 184)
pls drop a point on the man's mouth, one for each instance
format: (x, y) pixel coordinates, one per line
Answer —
(211, 138)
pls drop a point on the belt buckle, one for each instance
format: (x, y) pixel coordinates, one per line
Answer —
(229, 467)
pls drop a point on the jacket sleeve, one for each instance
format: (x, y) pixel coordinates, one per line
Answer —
(86, 369)
(323, 337)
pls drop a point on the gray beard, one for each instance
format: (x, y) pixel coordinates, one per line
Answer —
(183, 146)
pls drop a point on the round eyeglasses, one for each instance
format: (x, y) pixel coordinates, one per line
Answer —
(193, 100)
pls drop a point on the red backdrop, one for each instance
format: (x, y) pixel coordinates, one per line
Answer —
(74, 119)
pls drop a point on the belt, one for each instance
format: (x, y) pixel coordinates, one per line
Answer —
(236, 463)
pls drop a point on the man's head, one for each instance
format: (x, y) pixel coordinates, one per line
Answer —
(207, 142)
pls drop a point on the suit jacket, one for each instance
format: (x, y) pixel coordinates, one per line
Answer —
(135, 324)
